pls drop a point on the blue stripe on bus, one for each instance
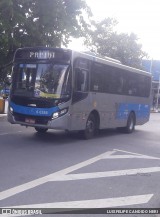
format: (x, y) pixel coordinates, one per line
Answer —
(141, 110)
(33, 111)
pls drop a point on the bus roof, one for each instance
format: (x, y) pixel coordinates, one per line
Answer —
(99, 56)
(111, 62)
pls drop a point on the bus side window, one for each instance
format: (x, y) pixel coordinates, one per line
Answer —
(97, 78)
(144, 86)
(81, 80)
(132, 85)
(113, 81)
(81, 68)
(120, 84)
(147, 86)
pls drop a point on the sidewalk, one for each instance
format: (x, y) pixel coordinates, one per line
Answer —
(5, 109)
(3, 115)
(155, 111)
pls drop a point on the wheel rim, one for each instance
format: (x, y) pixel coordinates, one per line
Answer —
(131, 124)
(90, 126)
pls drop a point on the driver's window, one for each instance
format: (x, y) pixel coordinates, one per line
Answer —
(81, 75)
(81, 80)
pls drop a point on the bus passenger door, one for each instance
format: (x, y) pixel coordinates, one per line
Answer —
(100, 99)
(80, 102)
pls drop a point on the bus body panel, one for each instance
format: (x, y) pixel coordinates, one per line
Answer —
(112, 114)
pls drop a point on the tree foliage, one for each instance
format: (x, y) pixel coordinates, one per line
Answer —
(105, 41)
(51, 23)
(39, 23)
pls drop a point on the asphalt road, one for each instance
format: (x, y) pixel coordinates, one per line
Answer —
(61, 170)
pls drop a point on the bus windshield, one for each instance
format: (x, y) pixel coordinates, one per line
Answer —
(42, 80)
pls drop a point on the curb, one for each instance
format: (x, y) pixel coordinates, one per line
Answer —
(3, 115)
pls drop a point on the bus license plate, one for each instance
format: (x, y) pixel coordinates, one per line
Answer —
(30, 120)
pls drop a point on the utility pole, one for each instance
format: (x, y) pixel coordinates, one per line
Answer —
(150, 70)
(158, 93)
(151, 66)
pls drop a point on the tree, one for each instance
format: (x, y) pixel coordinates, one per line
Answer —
(38, 23)
(105, 41)
(11, 17)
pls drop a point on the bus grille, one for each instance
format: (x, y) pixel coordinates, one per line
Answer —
(38, 120)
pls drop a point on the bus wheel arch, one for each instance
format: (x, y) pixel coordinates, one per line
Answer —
(97, 119)
(92, 125)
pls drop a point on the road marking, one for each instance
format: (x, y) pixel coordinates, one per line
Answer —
(131, 156)
(107, 174)
(29, 185)
(133, 153)
(91, 204)
(62, 174)
(3, 134)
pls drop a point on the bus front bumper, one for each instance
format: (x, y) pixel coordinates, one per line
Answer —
(61, 123)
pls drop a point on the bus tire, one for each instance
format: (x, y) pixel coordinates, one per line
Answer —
(130, 123)
(90, 130)
(41, 130)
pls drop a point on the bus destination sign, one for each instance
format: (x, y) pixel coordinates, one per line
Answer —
(42, 54)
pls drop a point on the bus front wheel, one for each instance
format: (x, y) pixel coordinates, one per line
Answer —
(41, 130)
(90, 130)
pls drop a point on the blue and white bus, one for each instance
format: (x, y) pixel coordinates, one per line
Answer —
(55, 88)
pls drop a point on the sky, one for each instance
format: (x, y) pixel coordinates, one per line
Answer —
(141, 17)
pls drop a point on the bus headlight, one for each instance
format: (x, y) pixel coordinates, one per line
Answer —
(11, 109)
(63, 111)
(55, 115)
(59, 113)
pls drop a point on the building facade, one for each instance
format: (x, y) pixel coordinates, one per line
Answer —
(153, 66)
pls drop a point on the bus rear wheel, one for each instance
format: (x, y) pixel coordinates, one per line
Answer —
(90, 130)
(130, 123)
(41, 130)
